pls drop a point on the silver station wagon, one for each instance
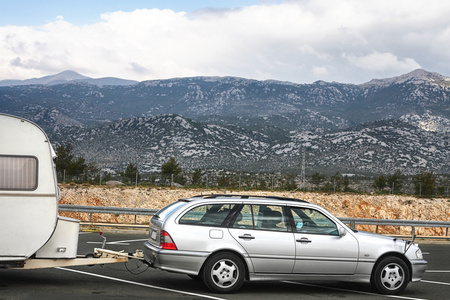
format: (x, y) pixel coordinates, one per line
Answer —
(225, 239)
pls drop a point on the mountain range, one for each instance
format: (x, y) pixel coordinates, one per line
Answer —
(242, 124)
(67, 76)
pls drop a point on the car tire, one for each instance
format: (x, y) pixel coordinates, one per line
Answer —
(390, 276)
(223, 273)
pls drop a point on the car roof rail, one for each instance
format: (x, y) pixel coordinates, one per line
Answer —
(213, 196)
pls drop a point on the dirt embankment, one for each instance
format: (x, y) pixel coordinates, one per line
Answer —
(341, 205)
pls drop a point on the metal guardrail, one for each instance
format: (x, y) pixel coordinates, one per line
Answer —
(350, 221)
(409, 223)
(107, 210)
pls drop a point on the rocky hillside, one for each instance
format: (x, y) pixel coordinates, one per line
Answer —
(373, 148)
(341, 205)
(246, 125)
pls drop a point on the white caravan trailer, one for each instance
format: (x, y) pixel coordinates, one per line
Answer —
(32, 235)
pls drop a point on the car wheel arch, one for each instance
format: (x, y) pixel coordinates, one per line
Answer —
(244, 262)
(391, 254)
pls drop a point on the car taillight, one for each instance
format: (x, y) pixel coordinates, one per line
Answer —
(166, 241)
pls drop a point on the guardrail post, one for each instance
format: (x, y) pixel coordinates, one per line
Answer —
(352, 224)
(413, 230)
(376, 230)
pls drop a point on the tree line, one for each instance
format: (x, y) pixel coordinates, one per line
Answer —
(425, 184)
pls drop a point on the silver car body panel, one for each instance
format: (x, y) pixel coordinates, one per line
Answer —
(418, 266)
(188, 262)
(313, 255)
(269, 252)
(350, 256)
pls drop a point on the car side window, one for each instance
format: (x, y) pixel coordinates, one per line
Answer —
(312, 221)
(244, 218)
(208, 215)
(265, 217)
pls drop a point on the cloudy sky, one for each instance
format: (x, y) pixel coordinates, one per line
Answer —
(348, 41)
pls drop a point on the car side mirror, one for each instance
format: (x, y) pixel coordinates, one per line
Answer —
(342, 231)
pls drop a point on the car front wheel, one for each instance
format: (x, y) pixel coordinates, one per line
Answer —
(391, 276)
(223, 273)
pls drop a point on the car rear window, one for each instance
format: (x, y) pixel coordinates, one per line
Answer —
(208, 215)
(165, 211)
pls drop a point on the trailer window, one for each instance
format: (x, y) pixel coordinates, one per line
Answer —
(18, 172)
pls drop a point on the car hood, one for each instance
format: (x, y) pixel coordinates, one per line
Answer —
(378, 244)
(372, 235)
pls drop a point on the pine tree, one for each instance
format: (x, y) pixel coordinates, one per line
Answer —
(131, 174)
(171, 170)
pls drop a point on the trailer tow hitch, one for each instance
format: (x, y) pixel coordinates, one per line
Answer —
(105, 253)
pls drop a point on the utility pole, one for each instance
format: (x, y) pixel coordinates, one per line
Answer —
(239, 181)
(303, 169)
(302, 174)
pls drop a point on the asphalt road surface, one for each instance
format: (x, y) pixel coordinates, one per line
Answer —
(135, 280)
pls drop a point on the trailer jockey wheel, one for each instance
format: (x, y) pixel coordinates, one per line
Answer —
(90, 255)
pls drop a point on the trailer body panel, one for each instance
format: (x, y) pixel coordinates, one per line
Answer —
(28, 189)
(32, 235)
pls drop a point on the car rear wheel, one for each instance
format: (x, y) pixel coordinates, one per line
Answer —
(223, 273)
(391, 276)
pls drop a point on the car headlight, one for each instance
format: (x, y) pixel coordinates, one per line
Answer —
(419, 254)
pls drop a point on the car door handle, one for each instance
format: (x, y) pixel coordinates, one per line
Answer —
(246, 237)
(303, 240)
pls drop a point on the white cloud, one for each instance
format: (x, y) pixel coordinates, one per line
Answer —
(299, 41)
(320, 71)
(380, 62)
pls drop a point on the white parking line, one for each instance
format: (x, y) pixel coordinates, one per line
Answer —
(352, 291)
(437, 271)
(435, 282)
(112, 243)
(141, 284)
(125, 243)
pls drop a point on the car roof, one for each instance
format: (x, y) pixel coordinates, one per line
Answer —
(246, 197)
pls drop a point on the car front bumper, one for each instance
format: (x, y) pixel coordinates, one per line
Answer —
(418, 267)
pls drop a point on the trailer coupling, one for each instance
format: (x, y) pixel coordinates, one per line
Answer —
(100, 257)
(99, 253)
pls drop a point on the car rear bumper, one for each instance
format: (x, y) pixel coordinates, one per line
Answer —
(419, 267)
(187, 262)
